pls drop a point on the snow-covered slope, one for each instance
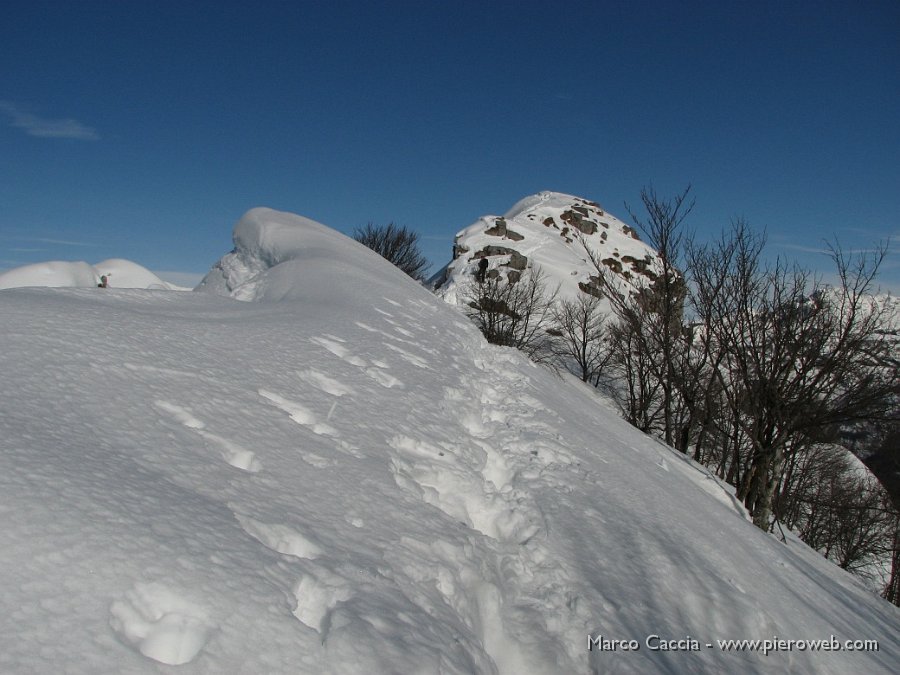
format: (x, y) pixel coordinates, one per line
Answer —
(550, 229)
(343, 477)
(58, 273)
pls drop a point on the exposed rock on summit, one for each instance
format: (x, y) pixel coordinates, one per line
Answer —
(551, 229)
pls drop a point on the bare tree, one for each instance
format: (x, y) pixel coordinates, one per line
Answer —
(839, 510)
(772, 364)
(654, 346)
(397, 244)
(515, 312)
(799, 357)
(891, 591)
(756, 366)
(663, 228)
(639, 369)
(584, 336)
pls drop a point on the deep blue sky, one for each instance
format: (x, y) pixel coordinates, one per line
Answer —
(144, 130)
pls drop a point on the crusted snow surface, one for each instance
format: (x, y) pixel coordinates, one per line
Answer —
(551, 230)
(343, 477)
(120, 273)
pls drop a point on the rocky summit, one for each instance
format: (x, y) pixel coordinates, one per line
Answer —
(559, 234)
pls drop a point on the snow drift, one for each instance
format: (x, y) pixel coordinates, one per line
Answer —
(65, 274)
(279, 256)
(345, 478)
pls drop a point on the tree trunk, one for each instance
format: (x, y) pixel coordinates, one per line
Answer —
(892, 590)
(760, 483)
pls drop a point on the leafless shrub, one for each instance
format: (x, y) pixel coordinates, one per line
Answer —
(584, 336)
(397, 244)
(515, 313)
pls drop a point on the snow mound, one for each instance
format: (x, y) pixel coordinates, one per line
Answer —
(350, 481)
(160, 623)
(551, 230)
(272, 249)
(64, 274)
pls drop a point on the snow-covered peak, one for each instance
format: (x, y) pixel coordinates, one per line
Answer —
(547, 202)
(120, 273)
(551, 230)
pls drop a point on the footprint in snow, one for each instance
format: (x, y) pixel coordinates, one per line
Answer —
(231, 452)
(160, 371)
(180, 415)
(405, 332)
(162, 623)
(325, 382)
(317, 595)
(234, 454)
(396, 326)
(386, 380)
(299, 413)
(317, 461)
(414, 449)
(333, 345)
(280, 538)
(441, 480)
(417, 361)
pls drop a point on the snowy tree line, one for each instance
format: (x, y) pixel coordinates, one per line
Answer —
(752, 367)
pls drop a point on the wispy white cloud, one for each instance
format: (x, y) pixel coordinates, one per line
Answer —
(64, 242)
(49, 240)
(874, 233)
(802, 248)
(43, 127)
(822, 250)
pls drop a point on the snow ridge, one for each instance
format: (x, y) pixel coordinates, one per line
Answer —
(342, 477)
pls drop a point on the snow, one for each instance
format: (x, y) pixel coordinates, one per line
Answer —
(58, 273)
(341, 476)
(281, 256)
(551, 242)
